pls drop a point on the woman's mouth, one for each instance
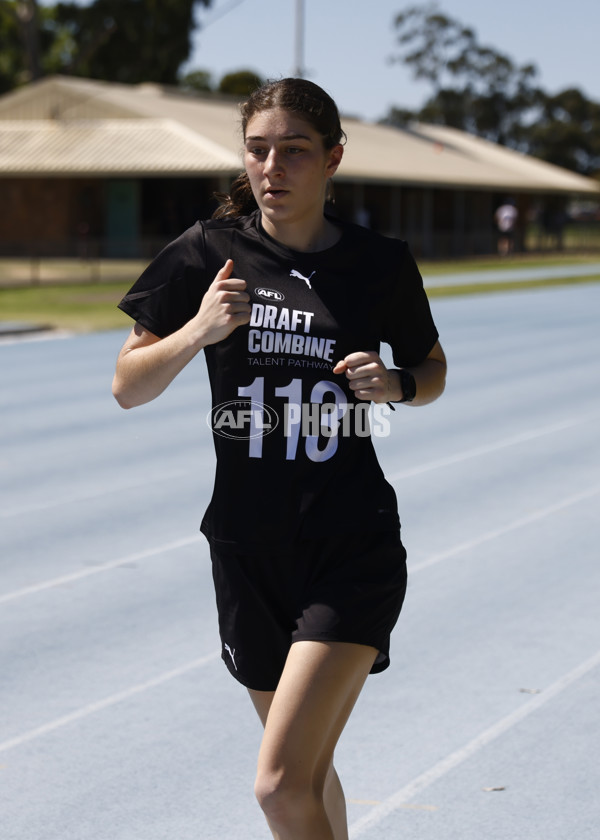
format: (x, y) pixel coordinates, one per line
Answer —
(275, 193)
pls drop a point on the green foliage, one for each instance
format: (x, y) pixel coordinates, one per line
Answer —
(27, 42)
(432, 44)
(12, 56)
(240, 83)
(197, 80)
(480, 90)
(439, 49)
(567, 132)
(128, 41)
(237, 83)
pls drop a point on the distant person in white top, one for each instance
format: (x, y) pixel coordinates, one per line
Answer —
(506, 219)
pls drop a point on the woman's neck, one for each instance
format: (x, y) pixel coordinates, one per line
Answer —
(300, 238)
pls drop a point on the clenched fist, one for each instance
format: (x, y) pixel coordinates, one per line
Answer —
(225, 306)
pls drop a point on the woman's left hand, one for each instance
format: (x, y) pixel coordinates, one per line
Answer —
(369, 378)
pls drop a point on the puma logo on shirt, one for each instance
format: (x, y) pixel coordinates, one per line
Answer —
(294, 273)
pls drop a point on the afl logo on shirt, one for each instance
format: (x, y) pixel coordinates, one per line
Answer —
(269, 294)
(242, 419)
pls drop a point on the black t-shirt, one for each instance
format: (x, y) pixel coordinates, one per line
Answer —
(294, 457)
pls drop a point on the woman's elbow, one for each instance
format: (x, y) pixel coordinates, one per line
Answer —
(119, 392)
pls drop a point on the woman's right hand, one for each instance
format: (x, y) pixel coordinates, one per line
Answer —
(147, 363)
(224, 307)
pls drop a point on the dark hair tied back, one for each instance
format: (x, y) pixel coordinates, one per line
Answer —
(299, 96)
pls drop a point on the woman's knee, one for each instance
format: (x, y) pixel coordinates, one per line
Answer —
(286, 797)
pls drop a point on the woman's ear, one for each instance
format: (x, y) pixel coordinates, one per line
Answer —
(334, 160)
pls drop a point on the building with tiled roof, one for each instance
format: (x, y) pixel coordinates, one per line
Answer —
(125, 168)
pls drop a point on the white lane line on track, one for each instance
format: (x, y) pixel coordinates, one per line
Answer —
(521, 522)
(112, 700)
(94, 570)
(439, 770)
(35, 507)
(485, 449)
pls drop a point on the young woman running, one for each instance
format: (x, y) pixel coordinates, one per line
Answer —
(290, 307)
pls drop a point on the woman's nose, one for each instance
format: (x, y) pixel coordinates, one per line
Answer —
(273, 162)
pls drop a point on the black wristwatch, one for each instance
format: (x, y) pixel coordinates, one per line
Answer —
(408, 385)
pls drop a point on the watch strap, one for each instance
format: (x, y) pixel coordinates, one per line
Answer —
(408, 385)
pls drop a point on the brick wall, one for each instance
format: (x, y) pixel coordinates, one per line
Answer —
(52, 213)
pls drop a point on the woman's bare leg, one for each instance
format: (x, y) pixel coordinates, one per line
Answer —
(333, 796)
(296, 783)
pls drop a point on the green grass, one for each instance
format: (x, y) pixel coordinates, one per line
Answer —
(48, 271)
(87, 307)
(81, 308)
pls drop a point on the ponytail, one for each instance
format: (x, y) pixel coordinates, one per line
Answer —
(239, 202)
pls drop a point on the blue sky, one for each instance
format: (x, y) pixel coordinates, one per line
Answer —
(348, 44)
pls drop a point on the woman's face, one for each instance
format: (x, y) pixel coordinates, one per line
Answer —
(288, 167)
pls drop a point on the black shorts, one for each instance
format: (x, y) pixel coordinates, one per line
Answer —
(341, 589)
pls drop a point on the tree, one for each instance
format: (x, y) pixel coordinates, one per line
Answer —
(27, 15)
(240, 83)
(480, 90)
(431, 43)
(25, 35)
(476, 88)
(197, 81)
(129, 41)
(116, 40)
(567, 132)
(31, 43)
(12, 64)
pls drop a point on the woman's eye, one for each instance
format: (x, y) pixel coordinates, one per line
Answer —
(261, 151)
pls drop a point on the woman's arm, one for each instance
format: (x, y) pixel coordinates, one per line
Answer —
(371, 380)
(147, 364)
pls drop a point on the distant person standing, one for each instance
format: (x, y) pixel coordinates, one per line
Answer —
(553, 219)
(506, 220)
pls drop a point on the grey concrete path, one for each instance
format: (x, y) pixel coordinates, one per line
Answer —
(20, 328)
(119, 722)
(511, 275)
